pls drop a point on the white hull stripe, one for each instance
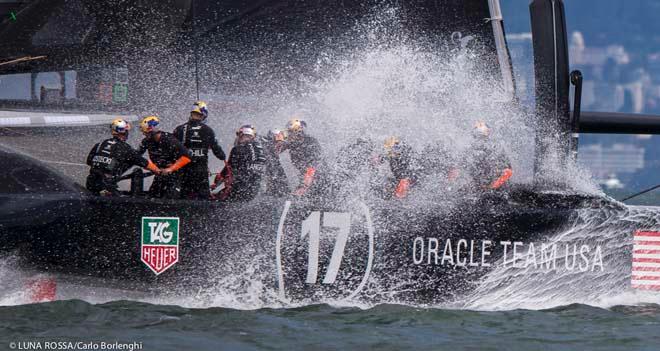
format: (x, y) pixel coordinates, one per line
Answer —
(646, 273)
(646, 264)
(66, 119)
(646, 247)
(646, 287)
(639, 255)
(278, 252)
(645, 282)
(9, 121)
(646, 236)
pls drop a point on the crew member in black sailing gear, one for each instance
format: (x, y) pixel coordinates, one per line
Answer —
(489, 167)
(306, 156)
(247, 163)
(168, 154)
(437, 166)
(400, 157)
(198, 138)
(356, 169)
(356, 159)
(275, 177)
(112, 157)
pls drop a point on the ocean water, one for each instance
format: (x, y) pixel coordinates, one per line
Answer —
(323, 327)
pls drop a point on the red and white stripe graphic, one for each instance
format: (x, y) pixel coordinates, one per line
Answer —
(646, 260)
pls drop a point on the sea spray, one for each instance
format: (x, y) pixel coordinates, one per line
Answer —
(385, 83)
(591, 266)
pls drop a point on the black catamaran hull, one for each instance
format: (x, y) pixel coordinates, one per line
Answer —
(421, 252)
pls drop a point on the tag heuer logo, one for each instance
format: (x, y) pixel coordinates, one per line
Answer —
(160, 242)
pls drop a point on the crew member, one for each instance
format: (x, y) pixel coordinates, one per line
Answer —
(356, 168)
(357, 158)
(198, 138)
(275, 177)
(168, 154)
(247, 162)
(400, 157)
(489, 167)
(112, 157)
(305, 152)
(437, 165)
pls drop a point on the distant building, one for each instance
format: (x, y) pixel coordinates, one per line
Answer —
(611, 83)
(580, 54)
(607, 161)
(620, 63)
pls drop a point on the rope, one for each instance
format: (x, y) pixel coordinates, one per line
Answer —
(22, 59)
(640, 193)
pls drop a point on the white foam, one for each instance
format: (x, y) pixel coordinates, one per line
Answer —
(504, 289)
(397, 87)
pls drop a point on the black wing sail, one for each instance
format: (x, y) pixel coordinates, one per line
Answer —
(91, 61)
